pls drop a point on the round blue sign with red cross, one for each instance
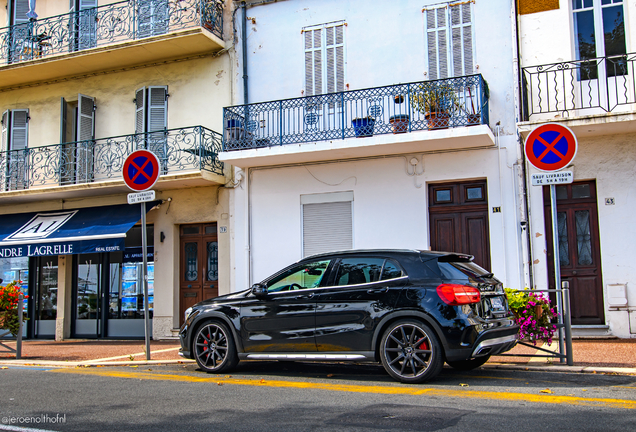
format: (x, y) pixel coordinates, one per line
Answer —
(551, 147)
(141, 170)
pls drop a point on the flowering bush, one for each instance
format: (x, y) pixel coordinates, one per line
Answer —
(9, 300)
(533, 314)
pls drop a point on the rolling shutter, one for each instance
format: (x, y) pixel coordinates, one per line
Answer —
(327, 226)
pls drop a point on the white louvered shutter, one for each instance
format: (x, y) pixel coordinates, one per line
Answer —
(140, 110)
(85, 137)
(4, 138)
(157, 110)
(20, 9)
(313, 62)
(152, 17)
(19, 129)
(437, 42)
(462, 38)
(327, 227)
(334, 50)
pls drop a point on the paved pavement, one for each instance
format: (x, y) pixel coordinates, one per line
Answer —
(611, 356)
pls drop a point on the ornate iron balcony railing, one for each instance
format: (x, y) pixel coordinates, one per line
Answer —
(105, 25)
(600, 84)
(186, 149)
(402, 108)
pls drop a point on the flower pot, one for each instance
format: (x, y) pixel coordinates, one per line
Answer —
(473, 119)
(363, 127)
(399, 123)
(437, 120)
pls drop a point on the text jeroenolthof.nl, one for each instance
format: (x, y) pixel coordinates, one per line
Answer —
(34, 419)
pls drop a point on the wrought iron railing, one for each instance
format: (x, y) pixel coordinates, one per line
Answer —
(601, 84)
(105, 25)
(187, 149)
(402, 108)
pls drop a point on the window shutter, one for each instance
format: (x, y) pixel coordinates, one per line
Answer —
(21, 7)
(63, 120)
(334, 37)
(313, 62)
(140, 110)
(87, 24)
(161, 17)
(324, 59)
(19, 129)
(86, 118)
(327, 227)
(152, 17)
(4, 138)
(462, 39)
(436, 40)
(157, 108)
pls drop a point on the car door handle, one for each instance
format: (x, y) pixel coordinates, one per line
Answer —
(305, 296)
(378, 290)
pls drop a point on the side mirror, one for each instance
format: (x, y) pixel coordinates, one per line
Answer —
(259, 290)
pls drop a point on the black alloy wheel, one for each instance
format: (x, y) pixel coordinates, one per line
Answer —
(410, 352)
(466, 365)
(214, 348)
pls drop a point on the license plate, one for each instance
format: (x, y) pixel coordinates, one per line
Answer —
(497, 303)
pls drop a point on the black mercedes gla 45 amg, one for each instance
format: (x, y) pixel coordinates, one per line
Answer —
(410, 310)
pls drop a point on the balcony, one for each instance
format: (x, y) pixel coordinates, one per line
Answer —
(593, 97)
(188, 157)
(109, 37)
(396, 119)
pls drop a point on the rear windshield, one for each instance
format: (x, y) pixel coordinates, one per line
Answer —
(461, 270)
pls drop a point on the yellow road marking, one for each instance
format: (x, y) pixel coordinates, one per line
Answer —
(388, 390)
(134, 355)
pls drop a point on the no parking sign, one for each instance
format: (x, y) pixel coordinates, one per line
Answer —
(551, 147)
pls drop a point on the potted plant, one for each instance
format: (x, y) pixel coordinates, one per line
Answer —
(9, 298)
(474, 116)
(435, 100)
(534, 314)
(363, 127)
(399, 122)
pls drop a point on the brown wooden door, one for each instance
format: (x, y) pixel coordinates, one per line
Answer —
(199, 270)
(579, 249)
(458, 214)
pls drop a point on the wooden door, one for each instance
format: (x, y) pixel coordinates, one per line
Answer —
(458, 214)
(579, 249)
(199, 269)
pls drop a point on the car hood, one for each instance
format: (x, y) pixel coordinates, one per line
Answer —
(227, 298)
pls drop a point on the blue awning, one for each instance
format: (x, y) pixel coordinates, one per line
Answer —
(67, 232)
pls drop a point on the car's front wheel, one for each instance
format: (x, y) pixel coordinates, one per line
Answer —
(214, 348)
(410, 352)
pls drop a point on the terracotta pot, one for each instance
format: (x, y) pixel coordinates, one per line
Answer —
(437, 120)
(399, 123)
(473, 119)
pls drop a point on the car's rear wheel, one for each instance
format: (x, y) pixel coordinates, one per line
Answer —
(214, 348)
(410, 352)
(466, 365)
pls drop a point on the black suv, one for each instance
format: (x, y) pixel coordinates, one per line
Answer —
(410, 310)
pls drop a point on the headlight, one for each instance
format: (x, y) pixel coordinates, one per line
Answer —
(188, 311)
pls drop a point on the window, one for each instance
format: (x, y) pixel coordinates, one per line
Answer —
(77, 135)
(153, 17)
(449, 40)
(13, 145)
(151, 121)
(327, 222)
(324, 58)
(306, 275)
(599, 31)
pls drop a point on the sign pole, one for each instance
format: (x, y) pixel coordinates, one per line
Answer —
(557, 264)
(144, 251)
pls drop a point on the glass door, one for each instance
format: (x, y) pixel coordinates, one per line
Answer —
(88, 295)
(46, 297)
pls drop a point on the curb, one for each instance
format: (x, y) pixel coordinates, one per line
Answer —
(563, 369)
(90, 363)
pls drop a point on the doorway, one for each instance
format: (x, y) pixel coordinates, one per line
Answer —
(45, 297)
(579, 249)
(458, 214)
(199, 265)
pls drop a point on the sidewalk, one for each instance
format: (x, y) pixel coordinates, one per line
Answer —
(616, 356)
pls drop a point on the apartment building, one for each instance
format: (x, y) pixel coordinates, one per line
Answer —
(82, 85)
(376, 124)
(577, 70)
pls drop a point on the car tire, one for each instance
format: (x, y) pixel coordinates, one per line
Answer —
(410, 352)
(466, 365)
(214, 349)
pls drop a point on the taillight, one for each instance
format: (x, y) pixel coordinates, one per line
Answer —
(455, 294)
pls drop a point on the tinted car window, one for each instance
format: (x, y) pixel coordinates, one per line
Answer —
(391, 270)
(355, 271)
(306, 275)
(460, 270)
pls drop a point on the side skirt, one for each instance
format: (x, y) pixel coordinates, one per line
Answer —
(364, 356)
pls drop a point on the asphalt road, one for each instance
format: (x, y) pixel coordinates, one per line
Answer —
(276, 396)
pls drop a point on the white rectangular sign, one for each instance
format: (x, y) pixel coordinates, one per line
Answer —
(139, 197)
(561, 177)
